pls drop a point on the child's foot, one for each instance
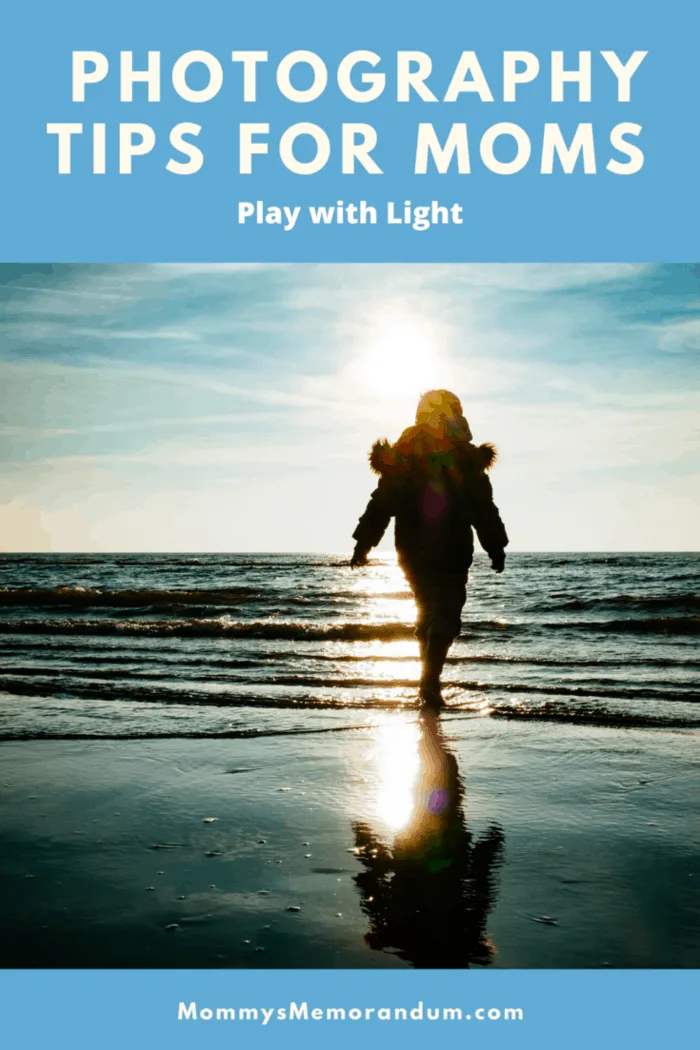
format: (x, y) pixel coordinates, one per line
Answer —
(431, 695)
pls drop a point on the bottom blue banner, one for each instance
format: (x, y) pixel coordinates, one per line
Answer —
(183, 1008)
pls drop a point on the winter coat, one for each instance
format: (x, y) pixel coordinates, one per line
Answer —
(434, 484)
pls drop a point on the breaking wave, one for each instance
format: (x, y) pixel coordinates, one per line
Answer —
(339, 631)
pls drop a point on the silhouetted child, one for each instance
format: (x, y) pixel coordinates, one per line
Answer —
(433, 481)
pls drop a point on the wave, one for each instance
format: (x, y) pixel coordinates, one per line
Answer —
(189, 734)
(553, 712)
(548, 712)
(215, 628)
(395, 695)
(613, 689)
(79, 597)
(630, 602)
(648, 625)
(131, 693)
(587, 559)
(340, 631)
(61, 597)
(173, 657)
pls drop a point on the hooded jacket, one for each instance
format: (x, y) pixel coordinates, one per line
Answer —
(434, 483)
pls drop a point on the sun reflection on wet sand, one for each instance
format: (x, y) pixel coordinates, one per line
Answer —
(397, 762)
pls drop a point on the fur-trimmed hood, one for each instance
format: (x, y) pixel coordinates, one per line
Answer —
(424, 448)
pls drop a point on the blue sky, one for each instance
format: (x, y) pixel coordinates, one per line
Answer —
(231, 407)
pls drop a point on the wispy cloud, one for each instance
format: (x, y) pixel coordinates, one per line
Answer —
(234, 405)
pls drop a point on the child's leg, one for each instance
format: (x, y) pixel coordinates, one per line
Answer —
(448, 598)
(422, 595)
(448, 595)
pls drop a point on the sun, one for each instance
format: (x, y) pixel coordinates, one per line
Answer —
(401, 359)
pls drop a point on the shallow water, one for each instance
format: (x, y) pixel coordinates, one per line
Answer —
(207, 645)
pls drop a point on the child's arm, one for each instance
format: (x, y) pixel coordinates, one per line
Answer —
(487, 522)
(373, 523)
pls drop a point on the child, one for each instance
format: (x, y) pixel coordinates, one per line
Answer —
(433, 481)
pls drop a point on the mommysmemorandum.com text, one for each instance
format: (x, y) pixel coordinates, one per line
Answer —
(192, 1011)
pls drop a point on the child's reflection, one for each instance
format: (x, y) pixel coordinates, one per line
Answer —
(428, 896)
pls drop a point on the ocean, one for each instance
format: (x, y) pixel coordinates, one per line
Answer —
(114, 646)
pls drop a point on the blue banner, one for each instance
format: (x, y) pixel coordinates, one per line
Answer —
(545, 1008)
(152, 131)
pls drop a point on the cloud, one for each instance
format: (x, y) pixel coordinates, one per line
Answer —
(680, 336)
(234, 405)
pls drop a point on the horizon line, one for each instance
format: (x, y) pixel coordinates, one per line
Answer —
(316, 553)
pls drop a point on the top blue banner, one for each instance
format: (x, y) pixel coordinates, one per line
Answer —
(451, 131)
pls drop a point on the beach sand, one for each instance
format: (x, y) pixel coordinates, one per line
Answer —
(557, 846)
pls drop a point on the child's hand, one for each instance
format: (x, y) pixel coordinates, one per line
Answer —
(359, 558)
(498, 561)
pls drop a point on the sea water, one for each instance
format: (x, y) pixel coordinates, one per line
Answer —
(123, 646)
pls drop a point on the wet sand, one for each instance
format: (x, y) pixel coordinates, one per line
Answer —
(475, 842)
